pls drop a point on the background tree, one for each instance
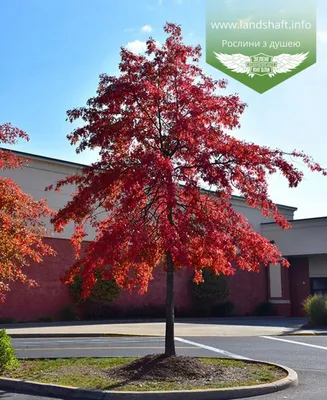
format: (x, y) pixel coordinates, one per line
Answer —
(103, 292)
(162, 130)
(210, 292)
(21, 226)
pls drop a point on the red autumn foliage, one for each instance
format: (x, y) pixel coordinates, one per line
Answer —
(163, 129)
(21, 230)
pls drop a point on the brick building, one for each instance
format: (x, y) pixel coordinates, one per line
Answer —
(305, 245)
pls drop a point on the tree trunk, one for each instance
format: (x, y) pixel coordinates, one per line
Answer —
(169, 340)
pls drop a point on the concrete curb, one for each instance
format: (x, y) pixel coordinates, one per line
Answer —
(42, 389)
(305, 334)
(296, 334)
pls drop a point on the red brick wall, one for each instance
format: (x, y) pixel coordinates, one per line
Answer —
(27, 304)
(157, 292)
(247, 289)
(284, 309)
(299, 284)
(285, 283)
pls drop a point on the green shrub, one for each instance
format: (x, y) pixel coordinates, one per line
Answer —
(223, 309)
(68, 314)
(95, 311)
(265, 309)
(7, 321)
(149, 311)
(104, 291)
(213, 289)
(315, 308)
(207, 294)
(45, 319)
(7, 353)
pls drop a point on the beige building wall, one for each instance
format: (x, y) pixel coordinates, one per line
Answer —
(255, 217)
(36, 176)
(42, 172)
(305, 237)
(318, 266)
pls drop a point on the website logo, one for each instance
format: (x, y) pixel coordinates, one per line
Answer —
(258, 51)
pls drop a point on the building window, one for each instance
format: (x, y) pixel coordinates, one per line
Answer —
(318, 286)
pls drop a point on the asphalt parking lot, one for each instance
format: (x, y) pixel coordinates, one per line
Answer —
(305, 354)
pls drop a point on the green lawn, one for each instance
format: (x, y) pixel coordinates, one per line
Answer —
(94, 373)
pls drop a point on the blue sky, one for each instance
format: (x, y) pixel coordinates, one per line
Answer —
(53, 51)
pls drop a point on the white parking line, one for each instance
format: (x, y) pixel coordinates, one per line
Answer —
(214, 349)
(294, 342)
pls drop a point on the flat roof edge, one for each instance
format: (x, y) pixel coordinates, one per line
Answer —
(235, 197)
(31, 155)
(278, 205)
(298, 220)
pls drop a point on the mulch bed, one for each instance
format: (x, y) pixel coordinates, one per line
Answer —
(158, 367)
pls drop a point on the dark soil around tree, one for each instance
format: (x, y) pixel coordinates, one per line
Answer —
(160, 368)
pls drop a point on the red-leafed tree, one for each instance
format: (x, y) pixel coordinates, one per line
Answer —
(162, 128)
(21, 226)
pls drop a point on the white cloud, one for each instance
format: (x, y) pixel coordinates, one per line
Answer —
(136, 47)
(146, 28)
(246, 20)
(322, 37)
